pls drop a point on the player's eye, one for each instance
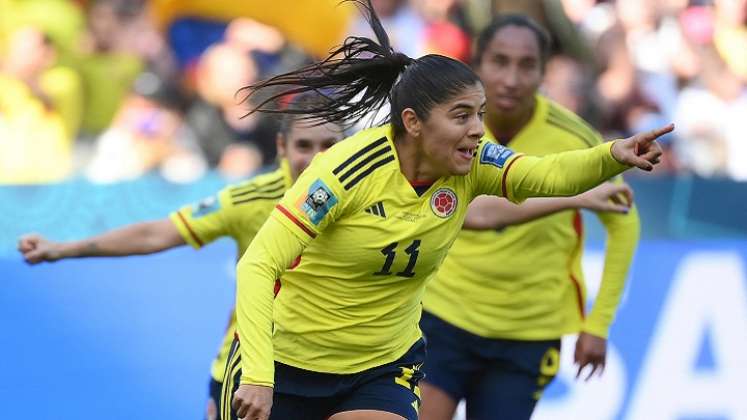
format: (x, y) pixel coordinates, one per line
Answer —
(303, 146)
(501, 60)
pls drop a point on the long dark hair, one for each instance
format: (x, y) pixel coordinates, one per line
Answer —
(362, 75)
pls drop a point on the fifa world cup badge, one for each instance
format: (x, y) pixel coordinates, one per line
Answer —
(444, 202)
(318, 201)
(205, 207)
(495, 154)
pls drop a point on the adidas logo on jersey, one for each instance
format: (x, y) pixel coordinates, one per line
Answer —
(377, 210)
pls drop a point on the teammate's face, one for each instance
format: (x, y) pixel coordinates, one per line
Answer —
(511, 70)
(452, 131)
(304, 141)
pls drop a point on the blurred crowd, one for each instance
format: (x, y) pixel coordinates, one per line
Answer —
(115, 89)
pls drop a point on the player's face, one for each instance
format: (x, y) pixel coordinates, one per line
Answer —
(452, 131)
(304, 141)
(511, 70)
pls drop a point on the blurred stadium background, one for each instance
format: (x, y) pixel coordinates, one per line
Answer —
(115, 111)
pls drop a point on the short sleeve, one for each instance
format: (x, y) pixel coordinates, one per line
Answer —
(205, 221)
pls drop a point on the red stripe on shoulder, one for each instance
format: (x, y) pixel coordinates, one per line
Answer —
(504, 189)
(293, 219)
(189, 228)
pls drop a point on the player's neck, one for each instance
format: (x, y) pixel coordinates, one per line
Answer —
(412, 162)
(505, 126)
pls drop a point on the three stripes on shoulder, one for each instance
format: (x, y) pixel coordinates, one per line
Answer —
(271, 190)
(363, 162)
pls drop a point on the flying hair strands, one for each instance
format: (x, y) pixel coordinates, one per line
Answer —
(357, 78)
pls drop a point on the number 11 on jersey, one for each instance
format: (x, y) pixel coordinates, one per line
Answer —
(390, 252)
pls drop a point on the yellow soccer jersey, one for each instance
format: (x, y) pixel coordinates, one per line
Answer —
(525, 282)
(238, 211)
(368, 243)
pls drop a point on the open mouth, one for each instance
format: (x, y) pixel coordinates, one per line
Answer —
(466, 153)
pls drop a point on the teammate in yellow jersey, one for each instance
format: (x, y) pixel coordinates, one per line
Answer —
(372, 220)
(237, 211)
(495, 311)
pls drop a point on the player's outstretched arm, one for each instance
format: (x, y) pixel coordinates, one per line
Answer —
(571, 173)
(487, 212)
(135, 239)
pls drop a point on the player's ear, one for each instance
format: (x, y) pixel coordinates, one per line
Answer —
(412, 124)
(280, 144)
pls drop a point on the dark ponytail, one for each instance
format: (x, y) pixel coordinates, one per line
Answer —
(362, 75)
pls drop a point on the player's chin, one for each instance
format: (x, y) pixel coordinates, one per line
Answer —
(460, 168)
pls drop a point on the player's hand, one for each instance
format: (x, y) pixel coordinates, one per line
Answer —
(607, 197)
(640, 150)
(590, 351)
(252, 402)
(212, 410)
(35, 249)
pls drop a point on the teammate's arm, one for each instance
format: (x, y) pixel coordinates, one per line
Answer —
(488, 212)
(196, 225)
(135, 239)
(623, 232)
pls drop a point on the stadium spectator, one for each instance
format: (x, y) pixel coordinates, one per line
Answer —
(624, 106)
(105, 62)
(730, 37)
(711, 115)
(35, 137)
(420, 27)
(235, 144)
(148, 132)
(566, 82)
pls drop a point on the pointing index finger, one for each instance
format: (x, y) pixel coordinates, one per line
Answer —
(656, 133)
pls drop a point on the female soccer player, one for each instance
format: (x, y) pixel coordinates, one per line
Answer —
(237, 211)
(498, 306)
(342, 341)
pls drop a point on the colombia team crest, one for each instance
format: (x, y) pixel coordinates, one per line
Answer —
(443, 202)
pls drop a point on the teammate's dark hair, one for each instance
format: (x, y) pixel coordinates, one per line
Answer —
(363, 74)
(305, 100)
(501, 21)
